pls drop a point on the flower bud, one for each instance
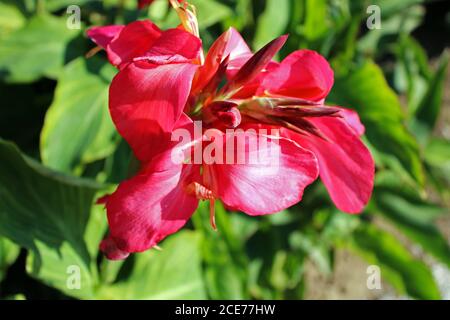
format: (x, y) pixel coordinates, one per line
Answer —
(224, 112)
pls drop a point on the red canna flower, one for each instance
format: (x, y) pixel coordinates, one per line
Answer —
(165, 83)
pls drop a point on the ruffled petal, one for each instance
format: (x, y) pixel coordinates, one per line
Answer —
(230, 44)
(146, 101)
(103, 36)
(346, 166)
(174, 45)
(150, 206)
(303, 74)
(271, 178)
(352, 118)
(134, 40)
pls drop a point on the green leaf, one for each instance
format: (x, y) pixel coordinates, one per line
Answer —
(317, 251)
(50, 215)
(437, 152)
(398, 266)
(8, 254)
(430, 105)
(412, 215)
(54, 5)
(38, 49)
(315, 23)
(18, 296)
(403, 22)
(11, 18)
(173, 273)
(394, 7)
(223, 255)
(210, 12)
(78, 128)
(272, 22)
(366, 91)
(276, 263)
(412, 72)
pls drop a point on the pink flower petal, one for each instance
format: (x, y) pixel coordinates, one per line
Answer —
(272, 183)
(151, 205)
(303, 74)
(257, 63)
(346, 166)
(175, 42)
(251, 87)
(352, 118)
(230, 44)
(109, 247)
(102, 36)
(146, 101)
(134, 40)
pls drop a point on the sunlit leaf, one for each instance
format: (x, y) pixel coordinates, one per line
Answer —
(398, 266)
(412, 215)
(78, 128)
(223, 255)
(403, 22)
(11, 18)
(50, 214)
(8, 254)
(429, 107)
(173, 273)
(366, 90)
(38, 49)
(272, 22)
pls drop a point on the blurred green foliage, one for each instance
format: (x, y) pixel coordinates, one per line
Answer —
(47, 195)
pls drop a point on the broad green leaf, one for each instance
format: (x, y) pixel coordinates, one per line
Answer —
(315, 23)
(78, 128)
(50, 215)
(428, 110)
(398, 266)
(158, 11)
(8, 254)
(11, 18)
(173, 273)
(242, 15)
(210, 12)
(366, 91)
(223, 255)
(38, 49)
(272, 22)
